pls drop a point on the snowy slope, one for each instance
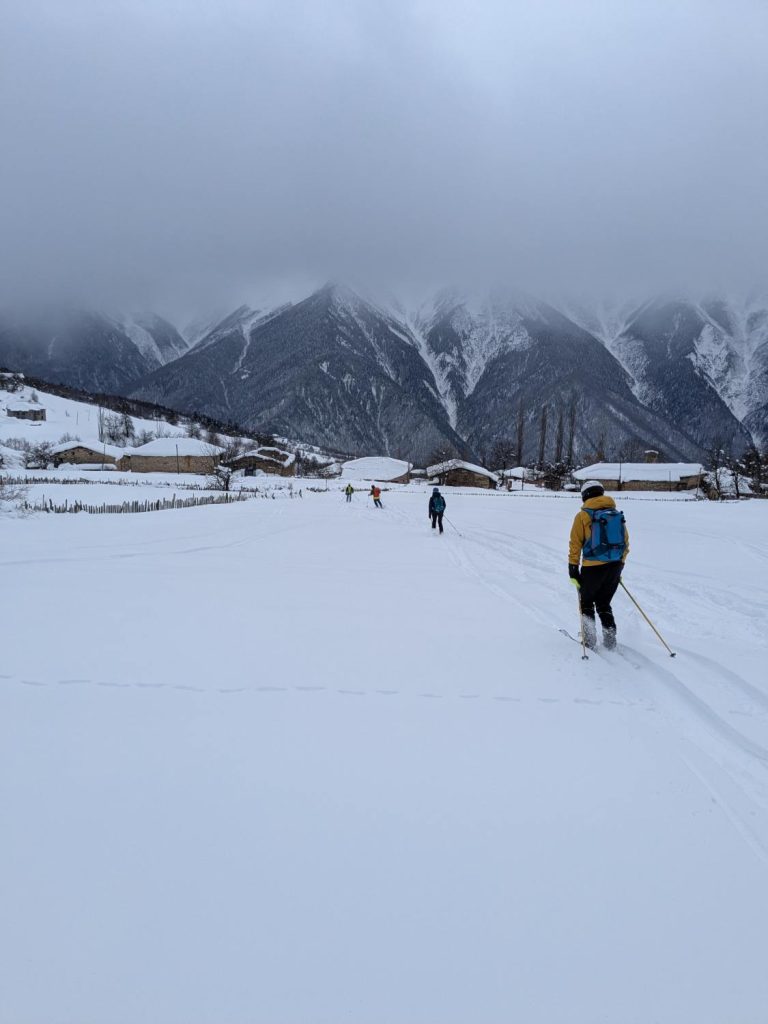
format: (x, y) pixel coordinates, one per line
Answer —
(388, 790)
(63, 416)
(157, 340)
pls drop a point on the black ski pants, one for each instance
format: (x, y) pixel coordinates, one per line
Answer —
(437, 520)
(598, 585)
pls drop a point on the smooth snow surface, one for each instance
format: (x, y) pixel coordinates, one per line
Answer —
(303, 762)
(376, 468)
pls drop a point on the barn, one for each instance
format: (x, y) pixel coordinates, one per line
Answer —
(83, 453)
(266, 460)
(172, 455)
(644, 476)
(455, 473)
(26, 411)
(381, 469)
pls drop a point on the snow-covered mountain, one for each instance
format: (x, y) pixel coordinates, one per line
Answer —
(459, 372)
(702, 364)
(85, 348)
(333, 370)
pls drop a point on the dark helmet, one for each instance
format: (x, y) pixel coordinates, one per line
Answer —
(591, 489)
(435, 490)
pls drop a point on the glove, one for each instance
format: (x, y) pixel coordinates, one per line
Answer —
(575, 575)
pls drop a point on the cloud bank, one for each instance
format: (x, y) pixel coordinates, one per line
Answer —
(169, 152)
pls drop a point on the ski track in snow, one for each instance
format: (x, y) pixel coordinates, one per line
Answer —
(400, 718)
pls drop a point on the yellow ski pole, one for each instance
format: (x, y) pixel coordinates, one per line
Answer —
(658, 634)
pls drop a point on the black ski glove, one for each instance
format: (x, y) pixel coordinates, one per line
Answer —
(573, 572)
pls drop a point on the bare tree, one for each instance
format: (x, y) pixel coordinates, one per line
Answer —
(502, 454)
(755, 467)
(739, 471)
(571, 429)
(11, 495)
(233, 449)
(38, 456)
(443, 453)
(542, 435)
(129, 430)
(717, 471)
(221, 477)
(520, 433)
(559, 436)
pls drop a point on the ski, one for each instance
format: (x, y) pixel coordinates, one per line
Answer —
(585, 657)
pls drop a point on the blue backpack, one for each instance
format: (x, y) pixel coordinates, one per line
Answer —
(606, 542)
(438, 503)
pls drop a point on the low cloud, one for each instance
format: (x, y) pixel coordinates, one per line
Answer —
(164, 153)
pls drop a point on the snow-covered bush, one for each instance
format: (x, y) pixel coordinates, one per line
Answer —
(38, 456)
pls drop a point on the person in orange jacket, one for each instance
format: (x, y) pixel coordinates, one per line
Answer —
(598, 549)
(376, 495)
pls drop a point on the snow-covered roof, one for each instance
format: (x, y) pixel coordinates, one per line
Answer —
(667, 471)
(90, 446)
(171, 446)
(375, 468)
(23, 406)
(269, 454)
(446, 467)
(517, 473)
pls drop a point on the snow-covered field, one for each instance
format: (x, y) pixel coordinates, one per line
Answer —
(303, 762)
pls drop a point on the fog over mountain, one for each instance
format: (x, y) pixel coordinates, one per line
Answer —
(459, 374)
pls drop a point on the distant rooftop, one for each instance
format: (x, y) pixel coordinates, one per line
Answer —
(673, 472)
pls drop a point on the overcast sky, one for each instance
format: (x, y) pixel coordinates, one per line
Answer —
(192, 152)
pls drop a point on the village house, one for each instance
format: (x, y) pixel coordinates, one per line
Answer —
(380, 469)
(644, 476)
(518, 475)
(455, 473)
(85, 453)
(22, 410)
(171, 455)
(266, 460)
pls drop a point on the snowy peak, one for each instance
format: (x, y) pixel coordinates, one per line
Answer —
(157, 339)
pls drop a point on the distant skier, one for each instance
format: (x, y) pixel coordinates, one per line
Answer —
(436, 508)
(349, 490)
(600, 540)
(376, 495)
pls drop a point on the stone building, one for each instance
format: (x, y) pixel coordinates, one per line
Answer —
(644, 476)
(455, 473)
(86, 453)
(266, 460)
(172, 455)
(25, 411)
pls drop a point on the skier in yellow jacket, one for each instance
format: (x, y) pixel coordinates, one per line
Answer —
(600, 542)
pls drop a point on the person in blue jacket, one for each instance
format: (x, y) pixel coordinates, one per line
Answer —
(436, 508)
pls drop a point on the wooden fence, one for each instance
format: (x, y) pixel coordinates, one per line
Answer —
(158, 505)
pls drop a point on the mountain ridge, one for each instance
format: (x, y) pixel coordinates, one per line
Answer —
(460, 373)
